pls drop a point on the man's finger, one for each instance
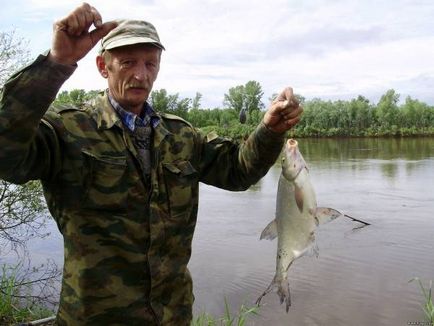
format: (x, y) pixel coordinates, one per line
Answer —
(88, 20)
(102, 31)
(286, 106)
(79, 20)
(73, 25)
(86, 15)
(291, 113)
(96, 17)
(278, 107)
(286, 94)
(82, 23)
(292, 122)
(70, 24)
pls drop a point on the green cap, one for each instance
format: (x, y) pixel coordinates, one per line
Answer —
(130, 32)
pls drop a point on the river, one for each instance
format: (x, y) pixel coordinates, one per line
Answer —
(361, 276)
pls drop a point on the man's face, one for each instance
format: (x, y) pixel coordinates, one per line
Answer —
(131, 72)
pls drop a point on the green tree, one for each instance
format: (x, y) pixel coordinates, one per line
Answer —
(197, 117)
(387, 111)
(253, 96)
(182, 107)
(235, 98)
(22, 214)
(161, 101)
(248, 97)
(361, 113)
(14, 54)
(195, 104)
(76, 97)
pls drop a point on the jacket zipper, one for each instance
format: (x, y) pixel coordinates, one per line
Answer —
(153, 175)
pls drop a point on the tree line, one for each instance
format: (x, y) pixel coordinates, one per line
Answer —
(357, 117)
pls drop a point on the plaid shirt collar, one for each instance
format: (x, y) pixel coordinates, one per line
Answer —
(131, 120)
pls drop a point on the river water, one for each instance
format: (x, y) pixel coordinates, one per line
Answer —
(361, 276)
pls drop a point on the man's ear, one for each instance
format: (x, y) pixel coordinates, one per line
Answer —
(102, 67)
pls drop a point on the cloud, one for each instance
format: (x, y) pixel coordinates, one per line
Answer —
(422, 85)
(323, 48)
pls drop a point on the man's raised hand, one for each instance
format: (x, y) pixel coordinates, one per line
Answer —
(72, 39)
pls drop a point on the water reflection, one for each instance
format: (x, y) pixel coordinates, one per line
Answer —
(389, 170)
(361, 277)
(390, 154)
(367, 148)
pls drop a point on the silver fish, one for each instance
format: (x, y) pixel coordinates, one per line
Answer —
(297, 217)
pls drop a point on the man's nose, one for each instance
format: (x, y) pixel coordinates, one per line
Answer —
(141, 73)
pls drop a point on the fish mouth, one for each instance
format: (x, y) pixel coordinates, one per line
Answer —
(292, 143)
(295, 163)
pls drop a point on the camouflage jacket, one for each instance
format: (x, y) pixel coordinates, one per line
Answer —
(127, 241)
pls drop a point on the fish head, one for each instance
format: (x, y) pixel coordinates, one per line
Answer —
(292, 161)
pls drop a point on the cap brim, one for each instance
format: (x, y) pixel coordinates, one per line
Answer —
(130, 41)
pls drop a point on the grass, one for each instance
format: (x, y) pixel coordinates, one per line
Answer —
(428, 305)
(228, 319)
(16, 305)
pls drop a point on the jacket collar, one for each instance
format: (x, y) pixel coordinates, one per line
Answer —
(106, 117)
(103, 113)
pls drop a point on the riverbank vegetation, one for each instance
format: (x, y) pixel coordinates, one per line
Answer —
(21, 298)
(229, 318)
(357, 117)
(428, 304)
(26, 290)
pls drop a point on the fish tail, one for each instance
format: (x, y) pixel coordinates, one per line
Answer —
(283, 291)
(268, 290)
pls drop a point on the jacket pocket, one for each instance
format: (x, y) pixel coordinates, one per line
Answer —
(180, 178)
(105, 182)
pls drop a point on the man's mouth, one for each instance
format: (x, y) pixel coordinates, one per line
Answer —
(136, 87)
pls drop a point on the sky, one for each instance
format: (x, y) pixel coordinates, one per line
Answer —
(333, 50)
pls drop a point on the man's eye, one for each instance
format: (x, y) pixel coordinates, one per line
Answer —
(127, 63)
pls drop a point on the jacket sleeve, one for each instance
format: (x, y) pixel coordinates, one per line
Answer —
(231, 166)
(29, 148)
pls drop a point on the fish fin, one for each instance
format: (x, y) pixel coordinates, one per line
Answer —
(282, 291)
(324, 215)
(299, 198)
(267, 290)
(270, 231)
(313, 250)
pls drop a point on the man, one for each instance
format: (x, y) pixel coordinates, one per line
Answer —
(121, 180)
